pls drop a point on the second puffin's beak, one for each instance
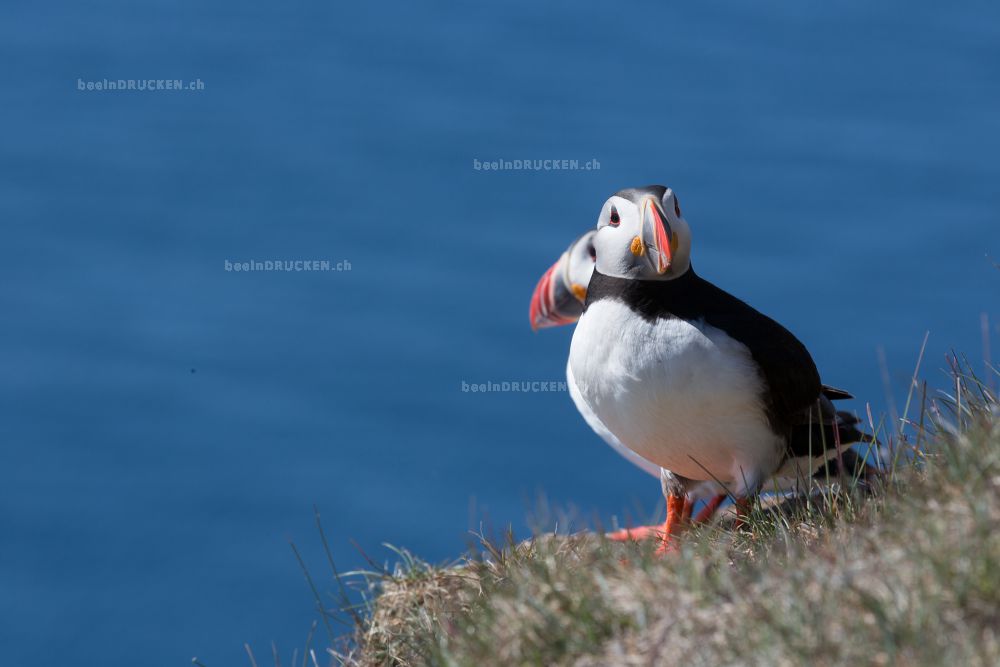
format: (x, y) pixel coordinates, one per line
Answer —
(554, 303)
(657, 236)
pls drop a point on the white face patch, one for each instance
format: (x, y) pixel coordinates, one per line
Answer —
(620, 221)
(627, 243)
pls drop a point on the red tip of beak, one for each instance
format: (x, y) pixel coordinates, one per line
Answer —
(664, 254)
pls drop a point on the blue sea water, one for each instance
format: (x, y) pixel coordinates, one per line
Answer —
(166, 425)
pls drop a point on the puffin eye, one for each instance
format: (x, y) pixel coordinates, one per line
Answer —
(677, 206)
(614, 221)
(592, 251)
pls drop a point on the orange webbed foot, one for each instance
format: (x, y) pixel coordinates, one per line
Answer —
(637, 534)
(678, 516)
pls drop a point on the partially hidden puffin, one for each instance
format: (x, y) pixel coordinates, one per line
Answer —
(687, 376)
(557, 300)
(562, 290)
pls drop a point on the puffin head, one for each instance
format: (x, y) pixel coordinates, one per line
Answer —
(559, 295)
(642, 235)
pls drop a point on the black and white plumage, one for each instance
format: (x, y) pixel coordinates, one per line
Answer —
(779, 379)
(559, 298)
(685, 374)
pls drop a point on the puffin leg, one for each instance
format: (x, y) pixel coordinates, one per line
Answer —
(710, 508)
(678, 516)
(746, 494)
(742, 510)
(679, 506)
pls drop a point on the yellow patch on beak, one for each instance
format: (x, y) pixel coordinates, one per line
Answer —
(579, 291)
(638, 248)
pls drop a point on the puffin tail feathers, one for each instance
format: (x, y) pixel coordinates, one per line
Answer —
(835, 394)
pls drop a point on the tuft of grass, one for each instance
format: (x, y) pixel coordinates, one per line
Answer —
(900, 570)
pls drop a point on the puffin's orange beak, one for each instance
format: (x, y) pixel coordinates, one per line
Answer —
(656, 230)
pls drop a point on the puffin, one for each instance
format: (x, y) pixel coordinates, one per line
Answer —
(558, 299)
(687, 377)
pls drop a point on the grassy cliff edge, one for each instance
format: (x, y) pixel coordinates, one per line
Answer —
(905, 573)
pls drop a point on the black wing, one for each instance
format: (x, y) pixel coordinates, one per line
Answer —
(793, 384)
